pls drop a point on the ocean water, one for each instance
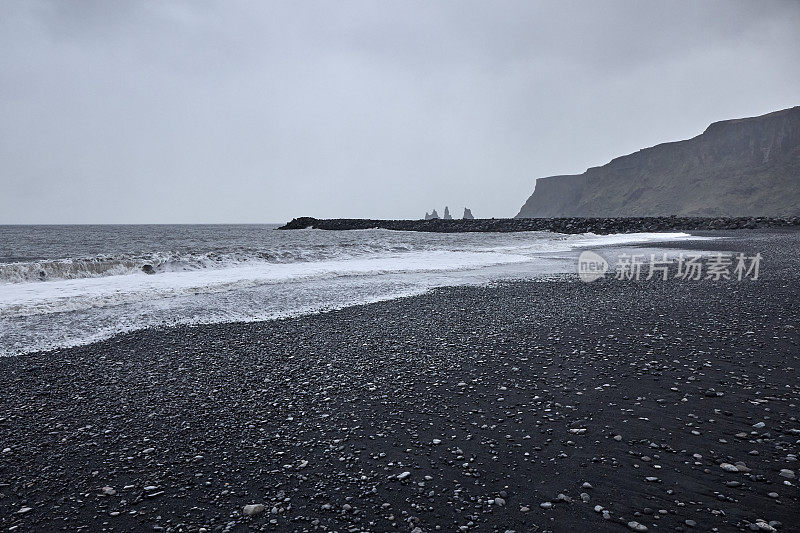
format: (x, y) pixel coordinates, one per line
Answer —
(68, 285)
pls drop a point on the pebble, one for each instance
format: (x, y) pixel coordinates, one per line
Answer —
(636, 526)
(253, 509)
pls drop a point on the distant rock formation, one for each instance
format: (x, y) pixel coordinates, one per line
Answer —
(447, 215)
(601, 226)
(736, 168)
(468, 214)
(432, 215)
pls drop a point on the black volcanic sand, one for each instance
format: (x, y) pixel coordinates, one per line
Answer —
(500, 403)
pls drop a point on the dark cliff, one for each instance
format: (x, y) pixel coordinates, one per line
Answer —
(743, 167)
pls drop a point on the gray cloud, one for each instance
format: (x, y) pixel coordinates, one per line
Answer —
(261, 111)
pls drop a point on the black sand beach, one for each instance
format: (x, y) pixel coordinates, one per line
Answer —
(532, 406)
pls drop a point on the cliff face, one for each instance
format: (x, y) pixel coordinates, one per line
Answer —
(744, 167)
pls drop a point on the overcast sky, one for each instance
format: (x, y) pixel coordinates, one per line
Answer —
(231, 111)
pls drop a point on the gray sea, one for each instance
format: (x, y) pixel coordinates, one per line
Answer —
(68, 285)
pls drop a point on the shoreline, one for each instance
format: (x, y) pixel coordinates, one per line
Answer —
(495, 399)
(409, 278)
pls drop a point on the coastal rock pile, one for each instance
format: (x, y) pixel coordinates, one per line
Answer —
(560, 225)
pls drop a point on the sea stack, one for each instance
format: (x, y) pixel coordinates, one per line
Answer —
(447, 215)
(468, 214)
(432, 215)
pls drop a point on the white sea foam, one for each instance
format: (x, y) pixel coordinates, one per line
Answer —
(79, 305)
(22, 299)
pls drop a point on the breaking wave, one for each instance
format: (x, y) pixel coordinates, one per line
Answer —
(163, 262)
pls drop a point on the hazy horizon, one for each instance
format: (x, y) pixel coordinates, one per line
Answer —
(243, 112)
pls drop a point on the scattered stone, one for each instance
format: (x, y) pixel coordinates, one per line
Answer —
(636, 526)
(253, 509)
